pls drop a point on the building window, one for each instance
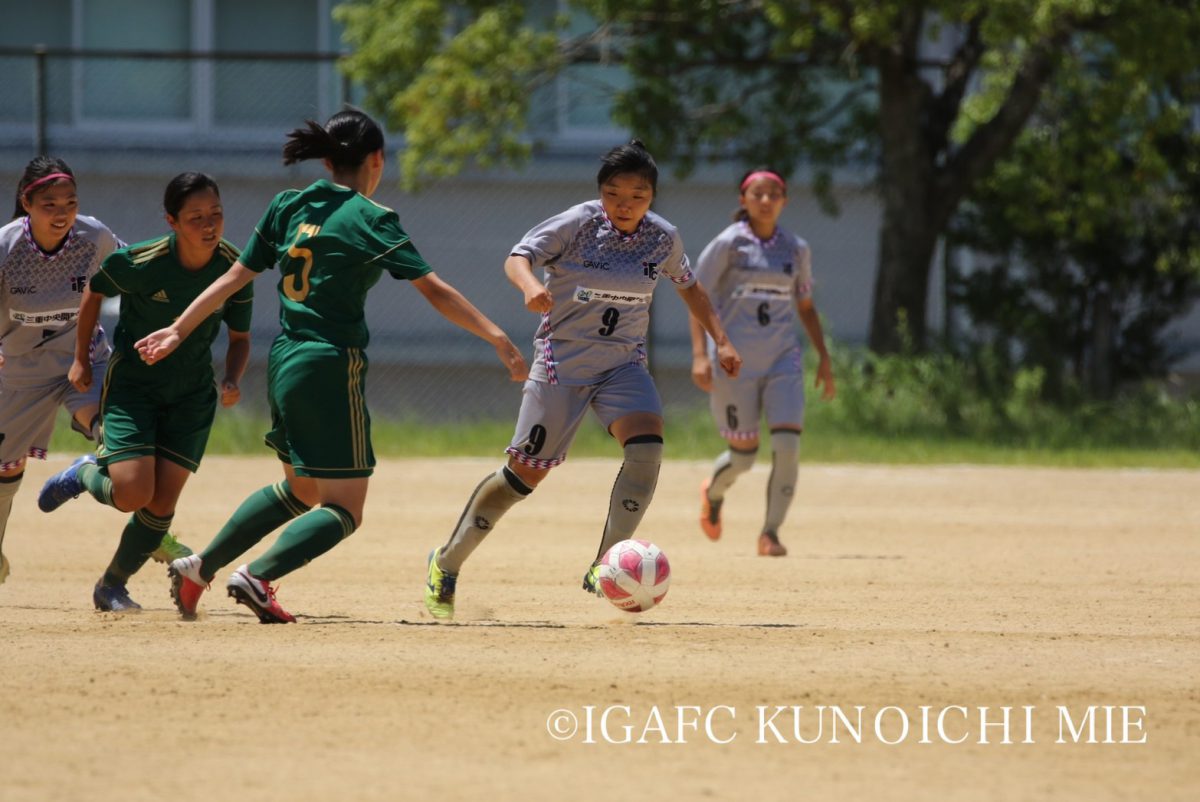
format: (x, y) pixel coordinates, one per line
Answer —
(123, 89)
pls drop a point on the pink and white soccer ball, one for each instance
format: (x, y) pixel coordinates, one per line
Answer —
(634, 575)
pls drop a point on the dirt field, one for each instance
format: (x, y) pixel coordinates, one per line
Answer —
(917, 594)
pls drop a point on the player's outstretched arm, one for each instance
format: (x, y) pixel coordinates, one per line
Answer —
(520, 272)
(701, 309)
(451, 304)
(159, 344)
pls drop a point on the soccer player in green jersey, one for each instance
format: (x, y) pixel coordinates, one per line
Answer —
(156, 417)
(332, 244)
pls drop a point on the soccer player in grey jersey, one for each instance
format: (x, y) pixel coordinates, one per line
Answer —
(601, 260)
(760, 276)
(47, 254)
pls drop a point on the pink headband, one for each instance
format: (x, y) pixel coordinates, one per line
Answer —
(45, 180)
(763, 174)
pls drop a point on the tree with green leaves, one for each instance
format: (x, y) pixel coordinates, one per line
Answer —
(1086, 236)
(929, 95)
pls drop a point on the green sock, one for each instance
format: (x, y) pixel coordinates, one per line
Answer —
(308, 537)
(260, 514)
(141, 536)
(96, 483)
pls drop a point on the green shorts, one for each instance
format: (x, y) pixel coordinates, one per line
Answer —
(163, 416)
(319, 420)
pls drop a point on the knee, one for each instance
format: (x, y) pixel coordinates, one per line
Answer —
(785, 445)
(644, 449)
(130, 496)
(530, 476)
(742, 459)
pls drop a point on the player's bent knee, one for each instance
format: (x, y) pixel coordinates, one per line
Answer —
(531, 477)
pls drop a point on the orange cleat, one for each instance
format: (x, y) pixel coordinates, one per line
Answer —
(769, 545)
(710, 513)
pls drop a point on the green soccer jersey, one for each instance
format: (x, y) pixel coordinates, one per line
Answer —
(155, 289)
(332, 244)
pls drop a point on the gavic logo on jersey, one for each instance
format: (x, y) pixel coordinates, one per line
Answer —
(22, 290)
(161, 297)
(590, 265)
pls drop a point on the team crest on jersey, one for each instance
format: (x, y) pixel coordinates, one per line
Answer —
(161, 297)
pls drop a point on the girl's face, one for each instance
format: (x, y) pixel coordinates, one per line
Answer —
(764, 199)
(626, 197)
(201, 222)
(52, 209)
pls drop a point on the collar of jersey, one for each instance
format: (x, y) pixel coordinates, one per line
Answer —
(766, 243)
(49, 257)
(621, 235)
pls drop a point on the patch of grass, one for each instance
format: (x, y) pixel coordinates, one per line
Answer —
(924, 409)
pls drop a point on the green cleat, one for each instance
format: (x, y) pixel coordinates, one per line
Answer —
(591, 581)
(439, 590)
(170, 549)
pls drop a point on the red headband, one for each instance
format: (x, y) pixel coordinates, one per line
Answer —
(762, 174)
(45, 180)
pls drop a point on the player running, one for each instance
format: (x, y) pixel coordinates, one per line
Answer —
(601, 261)
(156, 417)
(332, 244)
(760, 276)
(47, 254)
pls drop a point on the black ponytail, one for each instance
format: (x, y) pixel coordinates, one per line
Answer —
(346, 140)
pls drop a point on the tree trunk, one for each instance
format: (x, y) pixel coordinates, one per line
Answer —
(900, 304)
(911, 223)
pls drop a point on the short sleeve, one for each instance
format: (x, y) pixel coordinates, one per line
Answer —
(677, 267)
(547, 241)
(262, 251)
(238, 309)
(116, 276)
(387, 245)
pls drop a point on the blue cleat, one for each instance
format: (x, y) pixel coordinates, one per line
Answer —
(113, 599)
(63, 486)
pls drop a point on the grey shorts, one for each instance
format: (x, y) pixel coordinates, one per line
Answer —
(738, 404)
(27, 415)
(551, 413)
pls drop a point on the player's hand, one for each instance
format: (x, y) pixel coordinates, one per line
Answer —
(511, 356)
(730, 361)
(702, 373)
(538, 299)
(825, 379)
(157, 345)
(80, 376)
(230, 393)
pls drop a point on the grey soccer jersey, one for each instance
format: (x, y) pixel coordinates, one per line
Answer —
(602, 282)
(754, 285)
(39, 298)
